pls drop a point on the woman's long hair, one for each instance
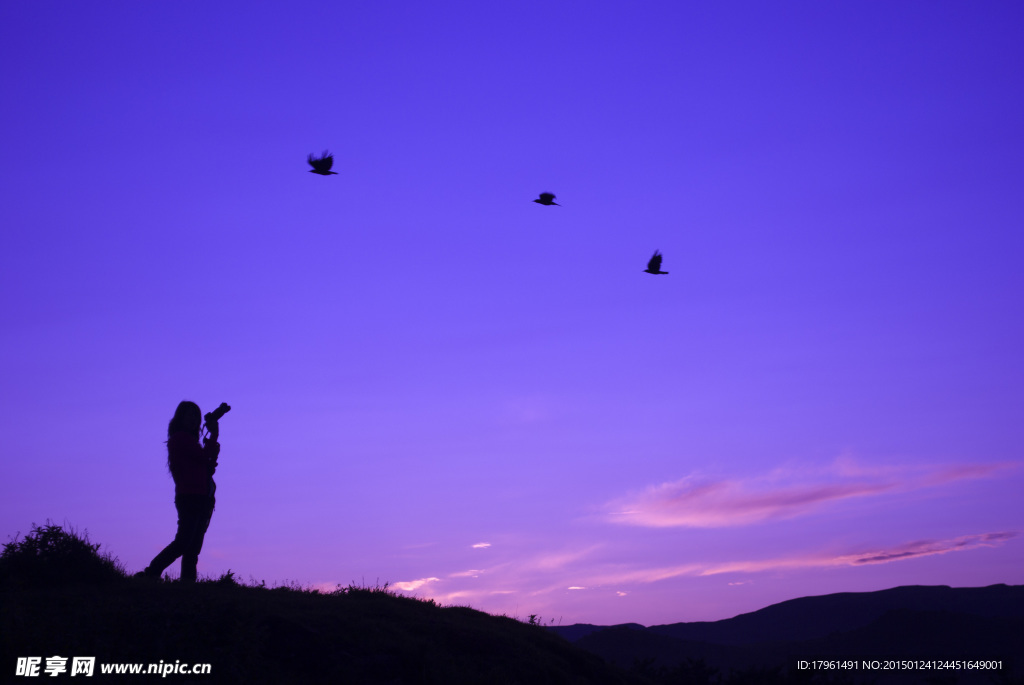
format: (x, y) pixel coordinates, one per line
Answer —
(187, 415)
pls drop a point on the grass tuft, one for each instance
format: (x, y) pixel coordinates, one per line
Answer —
(52, 555)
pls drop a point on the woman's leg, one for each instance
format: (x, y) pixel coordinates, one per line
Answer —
(193, 543)
(190, 513)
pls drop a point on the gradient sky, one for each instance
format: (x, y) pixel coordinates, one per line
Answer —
(437, 383)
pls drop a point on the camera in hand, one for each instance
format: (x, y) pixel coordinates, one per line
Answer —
(214, 416)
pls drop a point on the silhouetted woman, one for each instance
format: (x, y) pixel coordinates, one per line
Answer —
(192, 467)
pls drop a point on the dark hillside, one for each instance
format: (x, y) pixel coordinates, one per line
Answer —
(259, 635)
(904, 623)
(806, 618)
(60, 597)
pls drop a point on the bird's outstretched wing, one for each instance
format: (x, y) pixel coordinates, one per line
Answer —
(655, 263)
(321, 164)
(547, 197)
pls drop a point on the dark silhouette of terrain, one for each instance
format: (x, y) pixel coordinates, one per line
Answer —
(910, 622)
(322, 164)
(59, 596)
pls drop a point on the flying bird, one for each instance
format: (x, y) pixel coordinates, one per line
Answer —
(322, 165)
(547, 199)
(654, 266)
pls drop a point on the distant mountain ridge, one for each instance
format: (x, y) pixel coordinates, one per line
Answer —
(807, 618)
(914, 621)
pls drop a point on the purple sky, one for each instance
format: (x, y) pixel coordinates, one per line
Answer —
(439, 384)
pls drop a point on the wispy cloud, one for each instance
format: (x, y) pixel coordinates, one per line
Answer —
(705, 502)
(617, 577)
(543, 578)
(471, 573)
(925, 548)
(413, 585)
(558, 560)
(883, 555)
(519, 574)
(530, 575)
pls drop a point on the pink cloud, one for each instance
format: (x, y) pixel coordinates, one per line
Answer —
(928, 547)
(413, 585)
(713, 503)
(529, 575)
(471, 573)
(543, 580)
(886, 555)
